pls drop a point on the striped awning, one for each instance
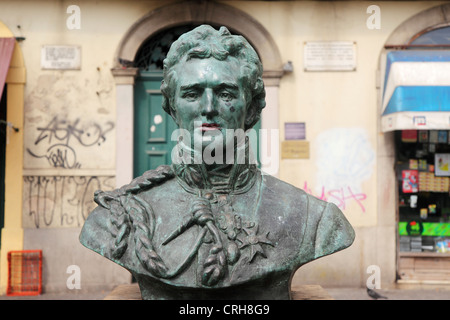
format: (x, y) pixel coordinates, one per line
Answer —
(416, 91)
(6, 50)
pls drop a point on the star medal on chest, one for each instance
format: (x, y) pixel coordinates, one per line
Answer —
(241, 234)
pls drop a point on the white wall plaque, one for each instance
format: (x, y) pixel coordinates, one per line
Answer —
(61, 57)
(330, 56)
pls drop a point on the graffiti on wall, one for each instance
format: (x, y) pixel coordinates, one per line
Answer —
(342, 197)
(60, 201)
(345, 160)
(60, 139)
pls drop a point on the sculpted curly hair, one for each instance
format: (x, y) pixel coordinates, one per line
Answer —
(204, 42)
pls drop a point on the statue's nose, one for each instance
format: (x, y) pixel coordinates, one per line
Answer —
(209, 109)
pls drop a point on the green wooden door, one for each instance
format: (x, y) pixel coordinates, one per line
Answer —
(153, 127)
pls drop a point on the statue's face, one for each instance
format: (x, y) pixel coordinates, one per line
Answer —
(209, 98)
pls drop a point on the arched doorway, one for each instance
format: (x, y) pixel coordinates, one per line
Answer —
(407, 129)
(185, 13)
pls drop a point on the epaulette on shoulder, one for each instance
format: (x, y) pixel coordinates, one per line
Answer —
(144, 182)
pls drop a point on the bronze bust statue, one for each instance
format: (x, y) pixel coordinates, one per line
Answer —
(202, 229)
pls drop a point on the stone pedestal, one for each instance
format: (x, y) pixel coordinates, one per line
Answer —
(305, 292)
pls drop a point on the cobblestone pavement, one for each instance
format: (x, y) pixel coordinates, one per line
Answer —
(434, 293)
(391, 294)
(60, 296)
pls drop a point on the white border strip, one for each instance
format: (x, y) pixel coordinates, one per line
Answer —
(416, 120)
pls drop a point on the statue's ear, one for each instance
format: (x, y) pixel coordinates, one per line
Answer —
(173, 114)
(167, 107)
(251, 117)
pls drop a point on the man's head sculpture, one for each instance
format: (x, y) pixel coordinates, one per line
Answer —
(223, 231)
(238, 56)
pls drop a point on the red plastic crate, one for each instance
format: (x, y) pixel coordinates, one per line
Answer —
(24, 273)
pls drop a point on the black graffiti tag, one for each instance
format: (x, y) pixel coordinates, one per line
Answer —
(62, 136)
(61, 201)
(59, 156)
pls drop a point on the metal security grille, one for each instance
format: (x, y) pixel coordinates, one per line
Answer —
(153, 51)
(24, 273)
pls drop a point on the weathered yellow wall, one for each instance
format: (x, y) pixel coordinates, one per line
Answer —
(339, 108)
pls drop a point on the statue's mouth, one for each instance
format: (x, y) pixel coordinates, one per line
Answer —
(210, 126)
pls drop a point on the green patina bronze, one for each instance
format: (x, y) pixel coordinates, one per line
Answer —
(211, 229)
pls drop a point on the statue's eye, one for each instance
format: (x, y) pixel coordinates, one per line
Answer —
(190, 96)
(226, 96)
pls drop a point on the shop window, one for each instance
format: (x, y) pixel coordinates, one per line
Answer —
(423, 174)
(415, 107)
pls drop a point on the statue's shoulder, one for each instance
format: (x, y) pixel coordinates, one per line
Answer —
(107, 224)
(326, 228)
(287, 194)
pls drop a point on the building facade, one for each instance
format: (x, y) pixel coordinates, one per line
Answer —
(81, 73)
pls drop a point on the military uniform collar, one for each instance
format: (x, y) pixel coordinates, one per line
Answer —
(225, 178)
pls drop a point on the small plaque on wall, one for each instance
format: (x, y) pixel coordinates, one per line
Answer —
(329, 56)
(295, 149)
(61, 57)
(294, 131)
